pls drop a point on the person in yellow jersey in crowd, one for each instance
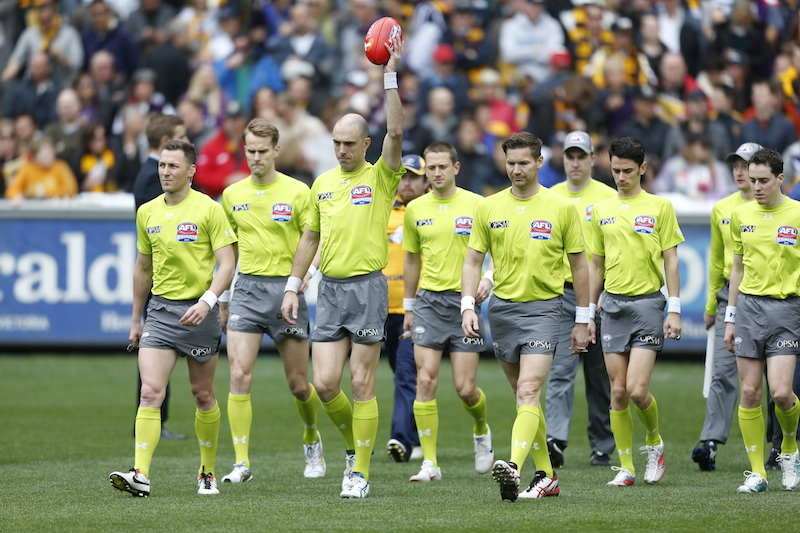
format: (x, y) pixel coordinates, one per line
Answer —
(634, 235)
(350, 211)
(584, 192)
(269, 212)
(762, 316)
(437, 228)
(404, 441)
(724, 386)
(181, 236)
(527, 229)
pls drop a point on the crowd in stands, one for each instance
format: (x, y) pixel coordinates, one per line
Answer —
(692, 79)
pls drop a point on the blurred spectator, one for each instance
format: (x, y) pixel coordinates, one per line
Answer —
(440, 119)
(66, 131)
(301, 39)
(588, 28)
(266, 18)
(205, 90)
(726, 116)
(265, 103)
(96, 162)
(615, 102)
(88, 101)
(26, 131)
(491, 91)
(148, 25)
(675, 86)
(170, 62)
(222, 161)
(350, 48)
(469, 41)
(197, 130)
(159, 129)
(355, 95)
(221, 45)
(109, 85)
(145, 97)
(529, 38)
(649, 43)
(713, 74)
(326, 19)
(106, 33)
(497, 176)
(201, 18)
(745, 33)
(302, 90)
(246, 70)
(552, 171)
(791, 170)
(682, 33)
(425, 32)
(130, 148)
(635, 66)
(698, 123)
(44, 176)
(737, 68)
(445, 75)
(36, 94)
(47, 33)
(568, 107)
(475, 162)
(415, 136)
(299, 133)
(768, 127)
(695, 172)
(10, 159)
(560, 70)
(791, 73)
(661, 141)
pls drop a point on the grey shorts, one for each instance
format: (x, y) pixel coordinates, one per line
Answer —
(766, 326)
(256, 307)
(524, 327)
(163, 330)
(632, 322)
(356, 307)
(437, 323)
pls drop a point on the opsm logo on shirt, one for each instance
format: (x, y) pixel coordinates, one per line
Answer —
(787, 235)
(463, 226)
(361, 195)
(281, 213)
(187, 232)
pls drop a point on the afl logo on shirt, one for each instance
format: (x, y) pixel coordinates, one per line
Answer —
(282, 213)
(589, 213)
(187, 232)
(463, 226)
(541, 230)
(787, 235)
(644, 224)
(361, 195)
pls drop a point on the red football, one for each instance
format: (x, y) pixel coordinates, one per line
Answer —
(379, 33)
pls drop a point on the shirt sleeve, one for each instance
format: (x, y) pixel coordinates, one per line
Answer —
(716, 263)
(596, 243)
(142, 241)
(227, 208)
(573, 237)
(220, 233)
(670, 232)
(738, 248)
(313, 209)
(479, 240)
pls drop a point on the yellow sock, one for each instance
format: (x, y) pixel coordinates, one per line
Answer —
(341, 414)
(478, 413)
(523, 433)
(240, 416)
(206, 425)
(788, 421)
(148, 433)
(426, 415)
(622, 428)
(751, 424)
(365, 429)
(649, 418)
(308, 414)
(539, 452)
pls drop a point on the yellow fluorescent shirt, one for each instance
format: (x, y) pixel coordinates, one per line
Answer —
(527, 239)
(584, 201)
(181, 240)
(721, 257)
(439, 229)
(766, 238)
(351, 211)
(394, 267)
(632, 234)
(269, 220)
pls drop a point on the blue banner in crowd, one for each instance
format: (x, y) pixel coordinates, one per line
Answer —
(70, 283)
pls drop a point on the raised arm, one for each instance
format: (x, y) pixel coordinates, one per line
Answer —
(392, 152)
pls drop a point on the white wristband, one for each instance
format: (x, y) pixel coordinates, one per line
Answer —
(489, 275)
(581, 315)
(674, 305)
(592, 311)
(467, 303)
(389, 80)
(225, 297)
(730, 314)
(408, 304)
(312, 270)
(210, 298)
(293, 284)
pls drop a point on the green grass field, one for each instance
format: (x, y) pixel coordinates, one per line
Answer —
(67, 423)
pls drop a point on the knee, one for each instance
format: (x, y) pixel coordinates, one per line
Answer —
(467, 391)
(783, 397)
(326, 391)
(240, 378)
(528, 391)
(619, 394)
(639, 395)
(362, 388)
(426, 385)
(751, 395)
(203, 396)
(151, 397)
(298, 386)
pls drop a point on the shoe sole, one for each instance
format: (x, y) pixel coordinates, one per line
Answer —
(702, 457)
(122, 485)
(556, 455)
(226, 479)
(508, 487)
(396, 453)
(656, 480)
